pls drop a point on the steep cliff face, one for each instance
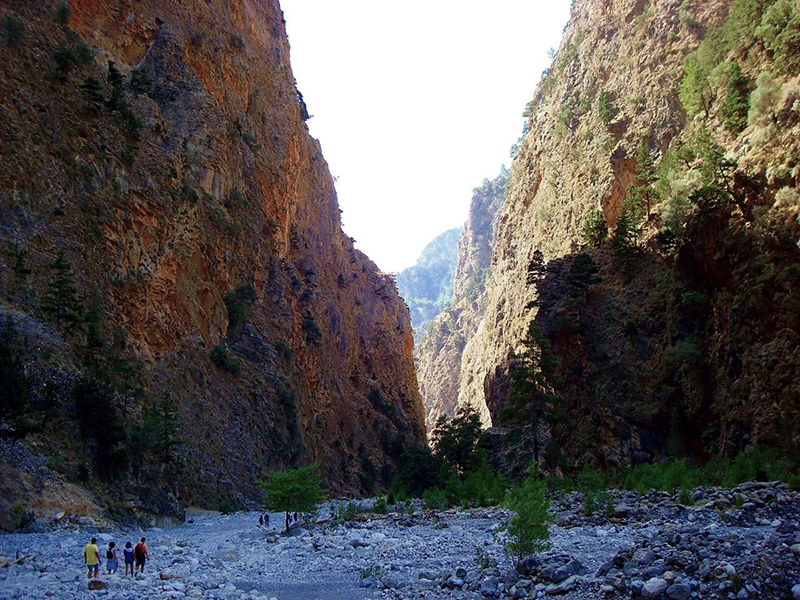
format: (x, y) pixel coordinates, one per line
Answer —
(668, 353)
(196, 212)
(440, 351)
(428, 286)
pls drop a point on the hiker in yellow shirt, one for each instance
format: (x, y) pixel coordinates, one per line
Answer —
(91, 555)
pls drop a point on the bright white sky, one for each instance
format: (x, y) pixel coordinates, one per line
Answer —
(415, 103)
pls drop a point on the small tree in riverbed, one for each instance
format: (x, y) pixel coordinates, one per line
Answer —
(529, 529)
(296, 490)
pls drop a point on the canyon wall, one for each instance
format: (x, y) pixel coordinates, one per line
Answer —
(161, 146)
(684, 340)
(440, 351)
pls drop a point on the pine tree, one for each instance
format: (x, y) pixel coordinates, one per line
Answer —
(533, 401)
(161, 423)
(604, 109)
(736, 105)
(595, 228)
(61, 302)
(643, 195)
(456, 440)
(582, 274)
(93, 95)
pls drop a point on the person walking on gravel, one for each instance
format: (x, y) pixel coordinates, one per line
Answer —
(91, 556)
(141, 556)
(128, 554)
(111, 556)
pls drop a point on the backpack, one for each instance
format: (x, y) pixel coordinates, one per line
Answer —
(109, 554)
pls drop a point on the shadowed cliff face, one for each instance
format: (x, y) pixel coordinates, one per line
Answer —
(652, 357)
(218, 188)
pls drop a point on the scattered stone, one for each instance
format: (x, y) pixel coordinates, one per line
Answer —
(679, 591)
(561, 588)
(97, 584)
(654, 587)
(489, 586)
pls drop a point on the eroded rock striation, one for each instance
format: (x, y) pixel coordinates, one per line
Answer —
(162, 148)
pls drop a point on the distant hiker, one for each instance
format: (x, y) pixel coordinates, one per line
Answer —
(266, 520)
(91, 556)
(141, 555)
(128, 554)
(296, 519)
(260, 521)
(111, 557)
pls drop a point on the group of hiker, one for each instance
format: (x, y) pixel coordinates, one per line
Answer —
(134, 558)
(296, 519)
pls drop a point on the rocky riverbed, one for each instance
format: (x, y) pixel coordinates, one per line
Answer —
(734, 545)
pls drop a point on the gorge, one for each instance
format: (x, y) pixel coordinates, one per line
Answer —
(182, 310)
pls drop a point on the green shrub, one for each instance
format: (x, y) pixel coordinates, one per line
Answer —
(312, 331)
(373, 572)
(604, 108)
(529, 528)
(588, 504)
(224, 358)
(236, 304)
(63, 13)
(381, 506)
(558, 484)
(418, 470)
(595, 228)
(483, 560)
(685, 497)
(15, 30)
(590, 480)
(436, 499)
(608, 504)
(251, 142)
(764, 100)
(347, 511)
(70, 53)
(140, 82)
(484, 488)
(284, 350)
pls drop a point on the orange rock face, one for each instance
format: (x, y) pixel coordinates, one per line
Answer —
(223, 190)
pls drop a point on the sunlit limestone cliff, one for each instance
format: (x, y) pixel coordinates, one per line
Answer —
(659, 180)
(440, 351)
(221, 323)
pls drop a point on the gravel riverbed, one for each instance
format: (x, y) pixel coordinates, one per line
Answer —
(733, 545)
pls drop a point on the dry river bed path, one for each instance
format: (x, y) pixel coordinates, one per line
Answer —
(733, 545)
